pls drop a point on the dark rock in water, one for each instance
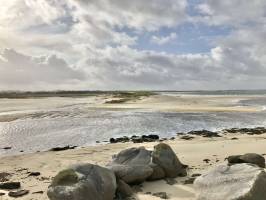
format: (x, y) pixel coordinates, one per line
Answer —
(187, 137)
(161, 195)
(157, 174)
(132, 174)
(164, 157)
(112, 140)
(150, 138)
(204, 133)
(123, 190)
(249, 131)
(135, 139)
(132, 165)
(63, 148)
(34, 174)
(83, 182)
(252, 158)
(9, 185)
(19, 193)
(237, 182)
(7, 148)
(120, 139)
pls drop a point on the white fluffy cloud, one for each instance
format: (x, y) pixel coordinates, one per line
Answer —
(18, 71)
(91, 44)
(163, 40)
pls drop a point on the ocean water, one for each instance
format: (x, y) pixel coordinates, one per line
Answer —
(40, 124)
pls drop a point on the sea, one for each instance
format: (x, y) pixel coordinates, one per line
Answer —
(30, 125)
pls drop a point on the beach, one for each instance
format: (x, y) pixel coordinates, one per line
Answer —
(191, 153)
(29, 128)
(38, 124)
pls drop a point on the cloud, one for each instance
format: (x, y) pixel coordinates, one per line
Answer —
(233, 12)
(18, 71)
(104, 44)
(163, 40)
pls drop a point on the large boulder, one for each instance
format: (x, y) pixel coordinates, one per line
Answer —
(252, 158)
(132, 174)
(123, 191)
(166, 158)
(236, 182)
(157, 174)
(83, 182)
(133, 156)
(132, 165)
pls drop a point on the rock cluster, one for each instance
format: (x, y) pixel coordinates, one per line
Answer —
(249, 131)
(135, 139)
(204, 133)
(130, 166)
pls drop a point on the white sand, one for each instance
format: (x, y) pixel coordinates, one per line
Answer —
(189, 152)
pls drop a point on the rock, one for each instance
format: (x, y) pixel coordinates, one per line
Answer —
(34, 174)
(132, 156)
(252, 158)
(123, 190)
(187, 137)
(135, 139)
(150, 138)
(206, 160)
(236, 182)
(132, 174)
(195, 175)
(4, 176)
(170, 181)
(189, 180)
(234, 138)
(158, 173)
(38, 192)
(2, 194)
(165, 158)
(204, 133)
(19, 193)
(7, 148)
(112, 140)
(161, 195)
(63, 148)
(249, 131)
(132, 165)
(83, 182)
(9, 185)
(120, 139)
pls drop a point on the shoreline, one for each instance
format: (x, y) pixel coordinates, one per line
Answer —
(191, 152)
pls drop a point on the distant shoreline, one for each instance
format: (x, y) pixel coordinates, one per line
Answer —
(81, 93)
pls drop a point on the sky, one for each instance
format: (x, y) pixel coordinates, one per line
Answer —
(132, 45)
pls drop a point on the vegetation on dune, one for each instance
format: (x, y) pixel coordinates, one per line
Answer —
(42, 94)
(123, 97)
